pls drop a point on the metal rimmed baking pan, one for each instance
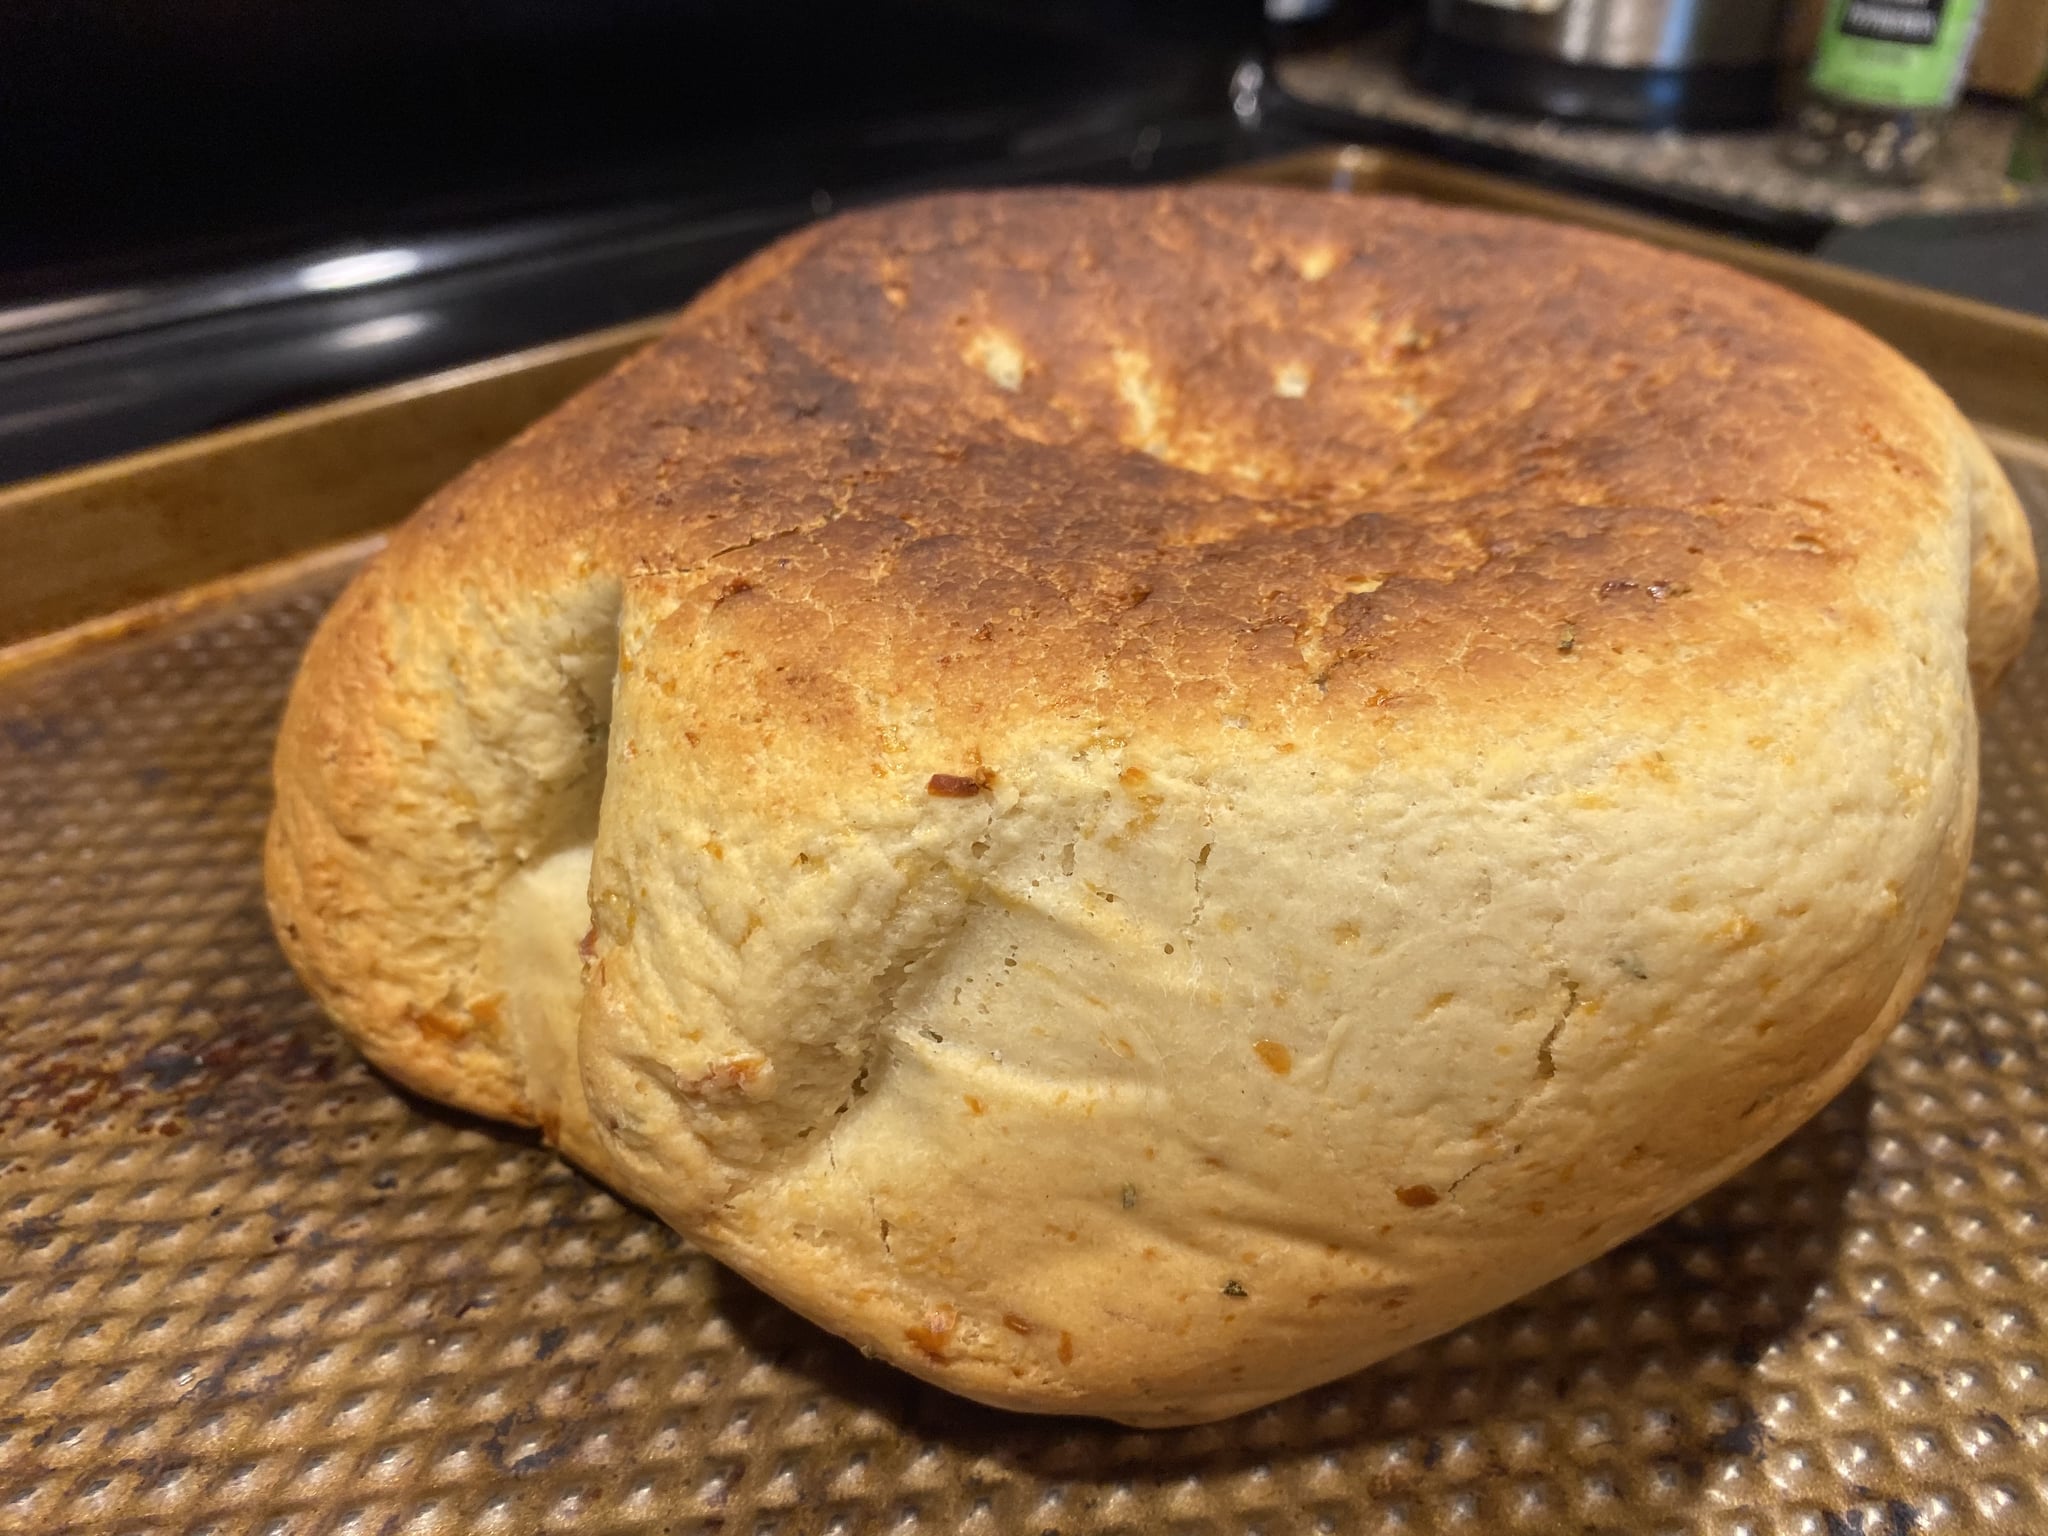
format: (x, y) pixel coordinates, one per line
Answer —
(247, 1285)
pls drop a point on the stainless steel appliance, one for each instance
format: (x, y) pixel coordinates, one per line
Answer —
(1649, 63)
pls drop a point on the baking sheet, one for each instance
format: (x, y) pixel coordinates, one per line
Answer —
(247, 1285)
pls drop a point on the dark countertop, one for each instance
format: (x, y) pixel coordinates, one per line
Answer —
(1966, 230)
(1714, 170)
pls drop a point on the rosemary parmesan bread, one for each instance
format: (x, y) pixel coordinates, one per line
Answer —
(1136, 799)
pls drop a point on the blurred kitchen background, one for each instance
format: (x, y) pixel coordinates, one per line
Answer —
(218, 209)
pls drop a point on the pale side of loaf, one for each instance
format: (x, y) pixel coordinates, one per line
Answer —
(1187, 787)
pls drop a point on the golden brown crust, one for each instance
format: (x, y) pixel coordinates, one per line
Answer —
(1115, 692)
(1517, 428)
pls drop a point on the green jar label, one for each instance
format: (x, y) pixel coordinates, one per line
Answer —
(1895, 53)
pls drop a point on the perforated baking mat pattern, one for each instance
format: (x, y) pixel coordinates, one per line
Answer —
(247, 1286)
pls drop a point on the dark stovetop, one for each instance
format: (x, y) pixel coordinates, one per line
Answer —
(230, 210)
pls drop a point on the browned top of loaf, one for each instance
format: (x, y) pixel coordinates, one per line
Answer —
(1234, 452)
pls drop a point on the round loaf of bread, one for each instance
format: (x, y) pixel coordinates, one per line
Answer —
(1136, 799)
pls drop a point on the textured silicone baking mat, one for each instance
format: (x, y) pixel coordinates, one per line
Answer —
(248, 1286)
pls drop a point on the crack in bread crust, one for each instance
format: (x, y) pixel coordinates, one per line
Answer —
(1294, 765)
